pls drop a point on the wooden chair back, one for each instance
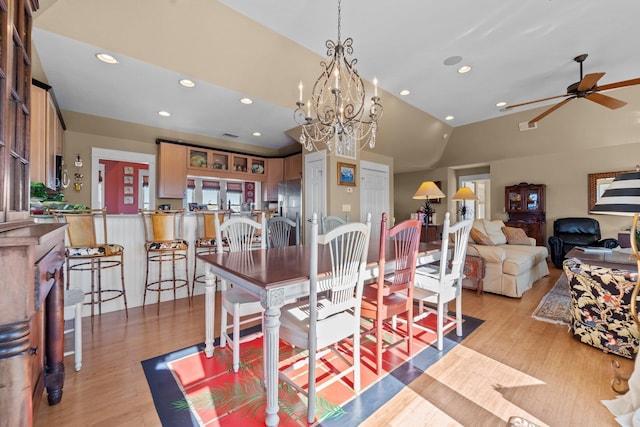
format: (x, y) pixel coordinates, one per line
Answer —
(82, 226)
(207, 224)
(240, 233)
(330, 222)
(163, 225)
(454, 238)
(348, 246)
(405, 238)
(279, 231)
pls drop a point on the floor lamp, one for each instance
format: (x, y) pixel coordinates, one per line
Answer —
(622, 197)
(464, 194)
(427, 191)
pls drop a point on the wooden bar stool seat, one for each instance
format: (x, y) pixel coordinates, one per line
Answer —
(164, 243)
(205, 242)
(86, 252)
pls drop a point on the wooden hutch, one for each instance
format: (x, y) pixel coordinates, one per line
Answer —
(31, 255)
(525, 205)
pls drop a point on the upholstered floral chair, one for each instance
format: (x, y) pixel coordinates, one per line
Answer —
(600, 308)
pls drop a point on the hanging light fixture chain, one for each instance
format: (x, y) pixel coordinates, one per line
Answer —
(339, 19)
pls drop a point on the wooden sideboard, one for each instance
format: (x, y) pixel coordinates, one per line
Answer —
(31, 319)
(431, 233)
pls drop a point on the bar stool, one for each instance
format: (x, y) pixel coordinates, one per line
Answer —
(205, 242)
(86, 253)
(164, 242)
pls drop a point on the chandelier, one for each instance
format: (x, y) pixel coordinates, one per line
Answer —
(338, 104)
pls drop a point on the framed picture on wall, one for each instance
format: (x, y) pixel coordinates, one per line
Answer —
(128, 170)
(346, 174)
(128, 190)
(128, 179)
(128, 200)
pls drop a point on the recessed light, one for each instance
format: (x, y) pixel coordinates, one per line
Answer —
(448, 118)
(405, 92)
(501, 104)
(105, 57)
(246, 101)
(464, 69)
(257, 134)
(164, 113)
(187, 83)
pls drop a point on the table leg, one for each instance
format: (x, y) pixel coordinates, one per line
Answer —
(272, 339)
(210, 309)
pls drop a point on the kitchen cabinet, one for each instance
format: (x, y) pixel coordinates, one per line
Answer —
(172, 172)
(275, 174)
(525, 206)
(220, 164)
(293, 167)
(47, 134)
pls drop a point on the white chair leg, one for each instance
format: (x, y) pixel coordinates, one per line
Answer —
(223, 327)
(77, 337)
(440, 324)
(235, 343)
(459, 315)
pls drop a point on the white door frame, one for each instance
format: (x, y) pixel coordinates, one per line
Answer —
(98, 154)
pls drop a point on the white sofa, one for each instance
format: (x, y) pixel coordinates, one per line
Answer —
(510, 269)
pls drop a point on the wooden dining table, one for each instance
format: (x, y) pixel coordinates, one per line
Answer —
(278, 275)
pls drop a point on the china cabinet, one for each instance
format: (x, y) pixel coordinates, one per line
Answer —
(31, 255)
(525, 206)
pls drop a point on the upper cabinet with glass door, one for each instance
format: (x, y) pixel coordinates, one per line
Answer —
(525, 198)
(204, 162)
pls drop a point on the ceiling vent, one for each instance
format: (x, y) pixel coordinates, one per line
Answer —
(229, 135)
(528, 126)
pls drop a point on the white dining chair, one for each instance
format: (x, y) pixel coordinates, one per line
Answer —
(438, 285)
(330, 222)
(239, 233)
(332, 312)
(73, 300)
(279, 231)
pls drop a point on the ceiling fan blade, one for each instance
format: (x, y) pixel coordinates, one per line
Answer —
(589, 81)
(549, 111)
(619, 84)
(605, 100)
(508, 107)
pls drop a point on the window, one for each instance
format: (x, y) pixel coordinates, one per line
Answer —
(234, 196)
(202, 191)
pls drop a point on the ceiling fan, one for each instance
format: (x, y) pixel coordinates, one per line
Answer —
(585, 88)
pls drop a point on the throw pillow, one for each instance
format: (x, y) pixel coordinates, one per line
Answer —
(516, 236)
(481, 238)
(494, 231)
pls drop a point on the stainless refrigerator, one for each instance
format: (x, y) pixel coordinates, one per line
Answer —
(290, 201)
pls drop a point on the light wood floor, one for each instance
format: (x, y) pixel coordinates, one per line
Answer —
(511, 365)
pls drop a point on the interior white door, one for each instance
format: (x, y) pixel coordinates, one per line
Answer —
(374, 194)
(315, 187)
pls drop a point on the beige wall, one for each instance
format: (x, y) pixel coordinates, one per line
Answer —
(338, 195)
(576, 140)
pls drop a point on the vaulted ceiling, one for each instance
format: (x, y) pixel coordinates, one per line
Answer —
(517, 51)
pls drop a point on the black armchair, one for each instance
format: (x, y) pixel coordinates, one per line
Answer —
(570, 232)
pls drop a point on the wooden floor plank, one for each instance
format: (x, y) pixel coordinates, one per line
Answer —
(511, 365)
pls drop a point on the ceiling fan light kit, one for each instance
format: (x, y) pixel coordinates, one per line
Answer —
(587, 87)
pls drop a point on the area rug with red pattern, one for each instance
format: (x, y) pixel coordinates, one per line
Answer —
(189, 389)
